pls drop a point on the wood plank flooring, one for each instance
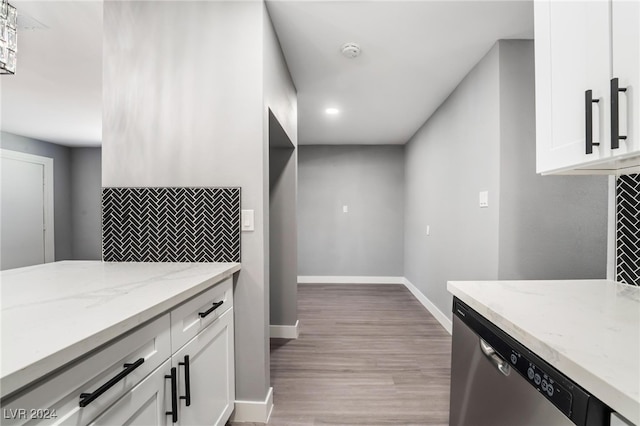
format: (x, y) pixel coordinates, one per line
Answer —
(367, 355)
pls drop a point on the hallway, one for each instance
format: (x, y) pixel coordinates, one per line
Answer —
(366, 355)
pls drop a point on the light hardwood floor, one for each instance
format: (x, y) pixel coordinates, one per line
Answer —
(367, 355)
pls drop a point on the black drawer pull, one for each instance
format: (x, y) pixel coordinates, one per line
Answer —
(213, 308)
(174, 395)
(615, 114)
(88, 398)
(187, 381)
(588, 110)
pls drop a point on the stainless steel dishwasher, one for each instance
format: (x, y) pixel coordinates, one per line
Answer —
(496, 381)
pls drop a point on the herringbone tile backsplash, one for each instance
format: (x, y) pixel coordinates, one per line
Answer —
(628, 229)
(171, 224)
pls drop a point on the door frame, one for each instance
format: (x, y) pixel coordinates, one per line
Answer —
(47, 163)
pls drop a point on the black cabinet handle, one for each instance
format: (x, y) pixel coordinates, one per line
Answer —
(88, 398)
(174, 395)
(187, 381)
(208, 311)
(588, 109)
(615, 114)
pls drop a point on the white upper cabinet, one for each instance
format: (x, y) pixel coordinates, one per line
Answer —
(576, 50)
(625, 42)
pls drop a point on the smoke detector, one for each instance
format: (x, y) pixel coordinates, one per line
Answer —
(350, 50)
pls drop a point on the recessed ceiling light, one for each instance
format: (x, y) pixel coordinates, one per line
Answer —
(332, 111)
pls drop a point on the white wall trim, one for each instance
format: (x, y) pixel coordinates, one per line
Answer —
(253, 411)
(285, 331)
(47, 163)
(313, 279)
(428, 304)
(611, 229)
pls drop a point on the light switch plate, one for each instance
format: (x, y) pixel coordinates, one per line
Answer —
(345, 209)
(484, 199)
(247, 220)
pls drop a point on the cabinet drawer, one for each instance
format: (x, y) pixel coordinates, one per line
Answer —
(56, 400)
(145, 405)
(194, 315)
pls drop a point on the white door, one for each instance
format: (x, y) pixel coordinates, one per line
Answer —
(625, 30)
(211, 374)
(572, 56)
(26, 201)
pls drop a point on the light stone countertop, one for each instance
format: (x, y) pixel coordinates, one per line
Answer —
(56, 312)
(587, 329)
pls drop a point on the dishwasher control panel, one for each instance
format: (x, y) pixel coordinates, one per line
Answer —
(542, 381)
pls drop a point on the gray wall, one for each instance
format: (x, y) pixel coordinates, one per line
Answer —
(86, 188)
(283, 227)
(366, 241)
(483, 138)
(280, 103)
(201, 121)
(451, 158)
(76, 195)
(551, 227)
(77, 188)
(281, 215)
(61, 186)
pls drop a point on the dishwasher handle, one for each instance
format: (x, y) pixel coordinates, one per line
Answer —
(498, 362)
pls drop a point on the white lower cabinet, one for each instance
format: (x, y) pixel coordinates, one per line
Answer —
(144, 405)
(137, 380)
(196, 314)
(207, 389)
(203, 371)
(106, 375)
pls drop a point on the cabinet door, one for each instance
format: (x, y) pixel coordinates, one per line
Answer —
(572, 56)
(144, 405)
(211, 375)
(625, 32)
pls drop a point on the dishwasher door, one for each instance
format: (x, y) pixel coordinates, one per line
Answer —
(481, 394)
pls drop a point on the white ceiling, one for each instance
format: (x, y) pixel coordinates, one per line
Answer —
(56, 93)
(414, 53)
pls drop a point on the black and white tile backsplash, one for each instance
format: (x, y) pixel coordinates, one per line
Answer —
(628, 229)
(171, 224)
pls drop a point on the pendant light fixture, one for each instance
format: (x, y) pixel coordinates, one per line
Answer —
(8, 37)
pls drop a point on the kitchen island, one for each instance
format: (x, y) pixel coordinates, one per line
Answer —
(56, 313)
(587, 329)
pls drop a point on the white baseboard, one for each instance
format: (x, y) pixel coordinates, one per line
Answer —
(253, 411)
(311, 279)
(284, 331)
(428, 304)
